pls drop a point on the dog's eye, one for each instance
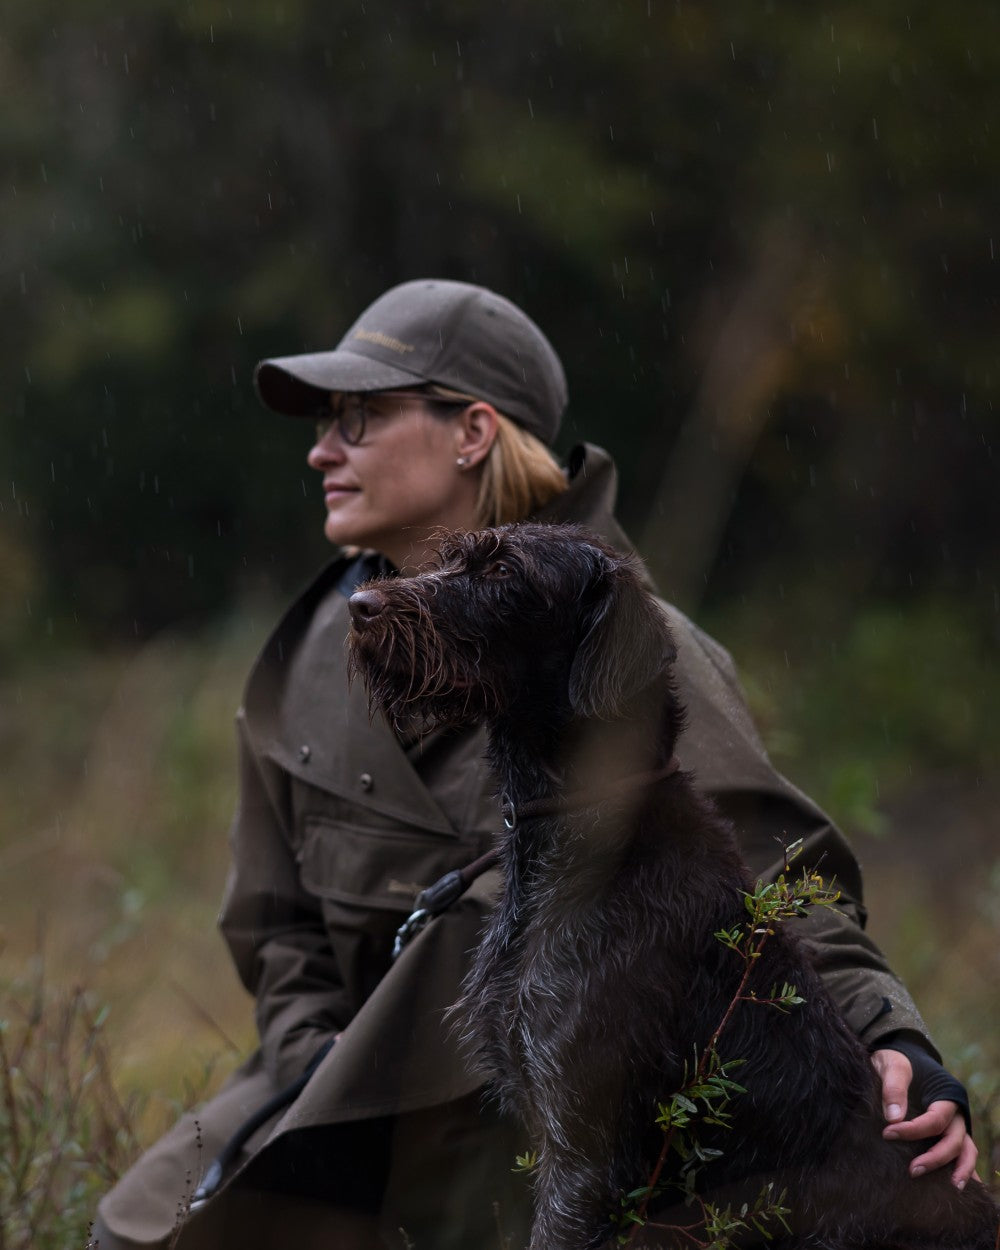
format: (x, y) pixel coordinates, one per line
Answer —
(497, 569)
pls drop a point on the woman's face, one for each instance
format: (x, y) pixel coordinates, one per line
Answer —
(399, 483)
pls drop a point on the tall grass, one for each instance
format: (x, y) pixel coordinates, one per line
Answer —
(66, 1129)
(116, 788)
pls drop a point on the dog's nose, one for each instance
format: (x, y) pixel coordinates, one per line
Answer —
(364, 604)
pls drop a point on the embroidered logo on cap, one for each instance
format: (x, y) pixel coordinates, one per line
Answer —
(383, 340)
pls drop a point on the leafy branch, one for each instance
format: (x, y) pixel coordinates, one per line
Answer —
(718, 1225)
(708, 1088)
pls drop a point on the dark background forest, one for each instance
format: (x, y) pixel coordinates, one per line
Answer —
(764, 237)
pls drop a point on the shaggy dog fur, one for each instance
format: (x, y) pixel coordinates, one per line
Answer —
(598, 977)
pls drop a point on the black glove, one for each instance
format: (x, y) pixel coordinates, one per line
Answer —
(931, 1082)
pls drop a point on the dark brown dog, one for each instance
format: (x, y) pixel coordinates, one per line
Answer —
(599, 977)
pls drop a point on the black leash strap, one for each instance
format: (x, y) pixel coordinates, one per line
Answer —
(447, 889)
(439, 897)
(428, 904)
(283, 1098)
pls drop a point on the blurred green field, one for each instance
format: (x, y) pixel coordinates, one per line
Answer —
(118, 787)
(116, 790)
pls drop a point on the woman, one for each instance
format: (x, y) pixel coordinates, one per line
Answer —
(357, 1122)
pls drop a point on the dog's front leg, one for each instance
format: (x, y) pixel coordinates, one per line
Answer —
(572, 1204)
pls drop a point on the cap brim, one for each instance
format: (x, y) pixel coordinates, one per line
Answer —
(297, 385)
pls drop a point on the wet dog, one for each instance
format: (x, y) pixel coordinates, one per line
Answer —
(600, 977)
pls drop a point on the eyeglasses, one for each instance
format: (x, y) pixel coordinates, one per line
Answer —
(351, 418)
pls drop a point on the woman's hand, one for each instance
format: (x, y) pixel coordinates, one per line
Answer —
(942, 1119)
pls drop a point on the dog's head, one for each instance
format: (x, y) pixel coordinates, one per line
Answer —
(545, 614)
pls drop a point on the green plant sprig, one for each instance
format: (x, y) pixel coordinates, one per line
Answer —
(717, 1226)
(707, 1080)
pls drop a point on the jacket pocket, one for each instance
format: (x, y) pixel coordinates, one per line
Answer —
(374, 868)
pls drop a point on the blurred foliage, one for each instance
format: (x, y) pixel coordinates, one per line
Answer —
(117, 783)
(862, 711)
(762, 235)
(68, 1128)
(66, 1133)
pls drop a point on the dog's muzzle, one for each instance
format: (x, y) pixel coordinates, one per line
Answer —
(364, 606)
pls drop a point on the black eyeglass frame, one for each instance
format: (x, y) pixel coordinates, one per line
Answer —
(353, 432)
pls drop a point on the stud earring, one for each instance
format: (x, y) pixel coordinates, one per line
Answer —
(462, 461)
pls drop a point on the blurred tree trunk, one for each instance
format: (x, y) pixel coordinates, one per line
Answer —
(745, 339)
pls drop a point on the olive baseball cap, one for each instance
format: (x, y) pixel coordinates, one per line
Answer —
(454, 334)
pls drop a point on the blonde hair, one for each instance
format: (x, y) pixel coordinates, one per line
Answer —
(519, 476)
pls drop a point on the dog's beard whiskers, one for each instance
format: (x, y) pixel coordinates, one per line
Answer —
(422, 675)
(412, 669)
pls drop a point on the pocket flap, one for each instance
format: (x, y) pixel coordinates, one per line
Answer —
(371, 867)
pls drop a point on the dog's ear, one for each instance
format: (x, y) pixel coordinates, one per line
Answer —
(627, 645)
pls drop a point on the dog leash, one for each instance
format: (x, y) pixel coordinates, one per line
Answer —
(531, 809)
(212, 1179)
(438, 897)
(429, 903)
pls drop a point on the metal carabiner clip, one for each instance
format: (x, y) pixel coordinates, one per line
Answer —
(409, 929)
